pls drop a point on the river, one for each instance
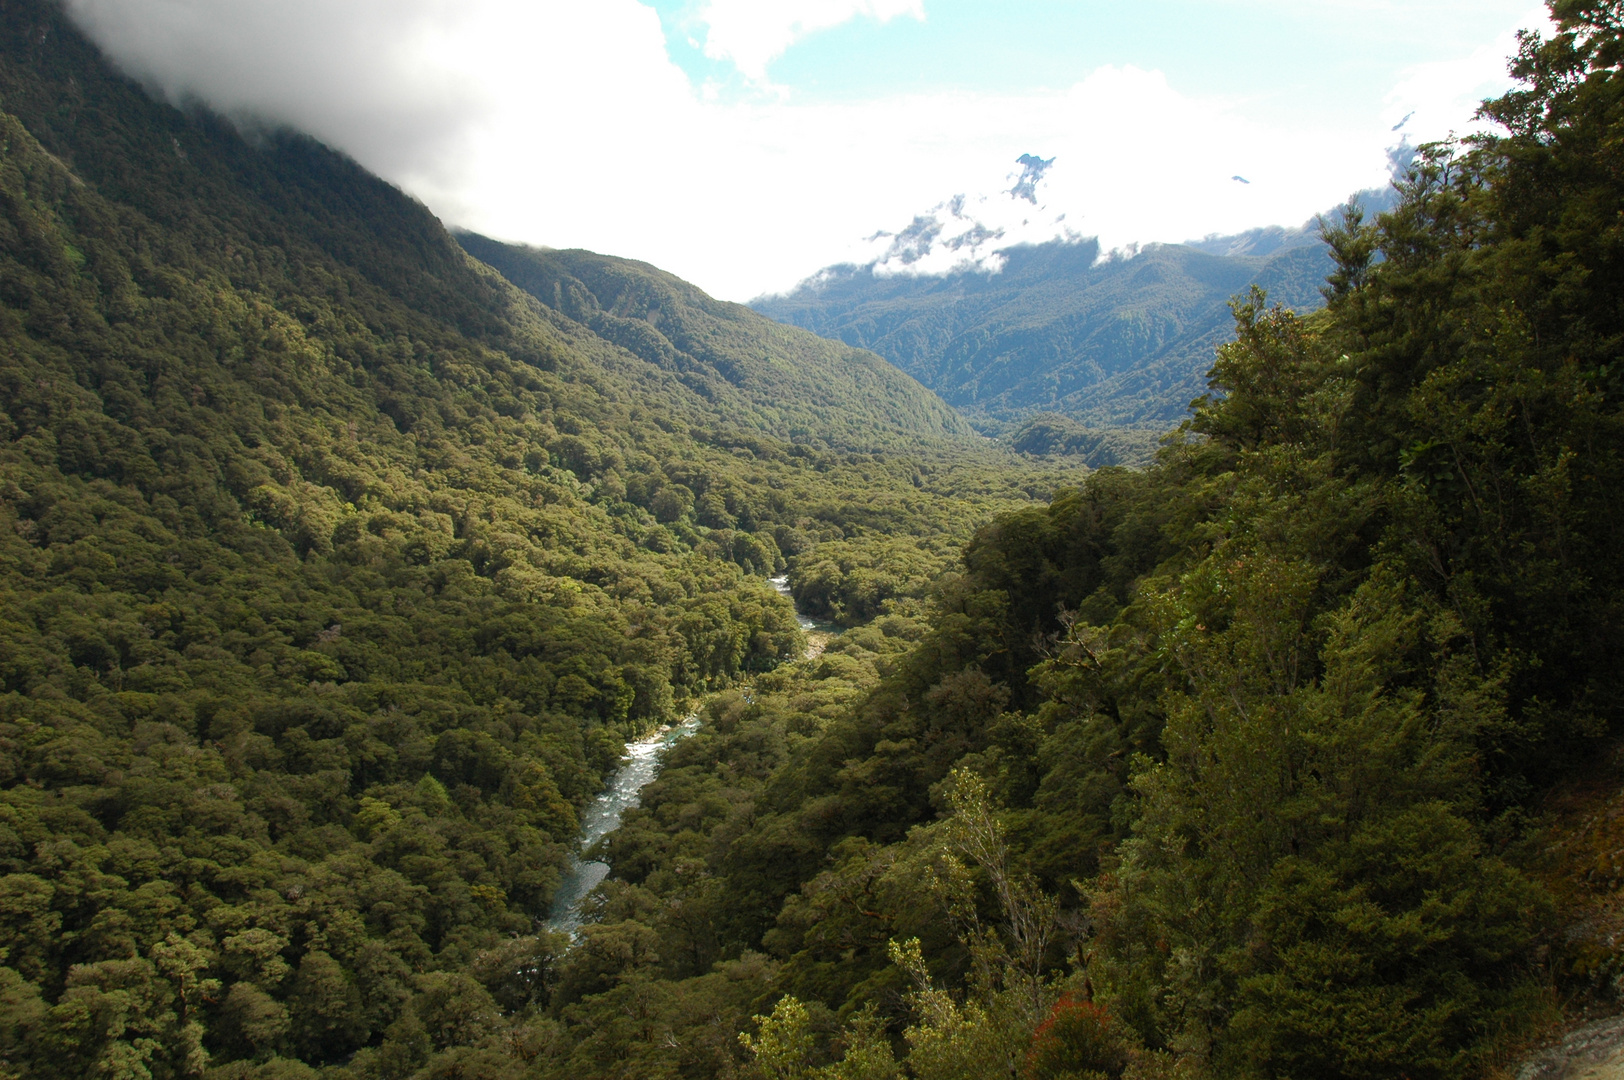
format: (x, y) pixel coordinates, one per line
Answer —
(603, 817)
(642, 765)
(818, 634)
(809, 624)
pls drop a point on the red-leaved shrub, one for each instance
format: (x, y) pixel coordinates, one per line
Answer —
(1076, 1041)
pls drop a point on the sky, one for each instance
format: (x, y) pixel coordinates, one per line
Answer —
(745, 144)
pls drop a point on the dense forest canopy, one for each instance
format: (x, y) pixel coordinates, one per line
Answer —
(795, 382)
(338, 565)
(337, 571)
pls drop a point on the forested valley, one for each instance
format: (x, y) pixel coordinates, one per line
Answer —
(342, 556)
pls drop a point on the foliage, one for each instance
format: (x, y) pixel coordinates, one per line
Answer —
(1278, 707)
(337, 569)
(1076, 1039)
(851, 582)
(793, 382)
(336, 573)
(1048, 434)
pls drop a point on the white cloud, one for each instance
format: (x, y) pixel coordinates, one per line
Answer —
(405, 86)
(752, 197)
(753, 33)
(562, 123)
(1437, 99)
(1134, 162)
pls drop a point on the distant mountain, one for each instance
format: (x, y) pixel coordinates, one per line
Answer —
(1123, 341)
(783, 380)
(1271, 239)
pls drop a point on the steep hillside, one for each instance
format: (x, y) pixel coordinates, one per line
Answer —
(334, 573)
(335, 569)
(791, 380)
(1123, 342)
(1293, 755)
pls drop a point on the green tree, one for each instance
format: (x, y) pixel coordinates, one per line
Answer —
(325, 1014)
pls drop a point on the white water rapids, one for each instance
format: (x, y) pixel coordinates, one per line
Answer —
(807, 622)
(603, 817)
(642, 765)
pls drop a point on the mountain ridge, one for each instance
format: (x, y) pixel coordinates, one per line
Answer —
(1106, 339)
(1123, 341)
(726, 349)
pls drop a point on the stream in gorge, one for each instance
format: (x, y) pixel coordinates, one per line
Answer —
(641, 765)
(808, 623)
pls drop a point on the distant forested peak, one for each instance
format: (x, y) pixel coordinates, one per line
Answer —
(727, 352)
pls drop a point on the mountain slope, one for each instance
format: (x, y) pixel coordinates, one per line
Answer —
(334, 568)
(1119, 342)
(795, 381)
(334, 573)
